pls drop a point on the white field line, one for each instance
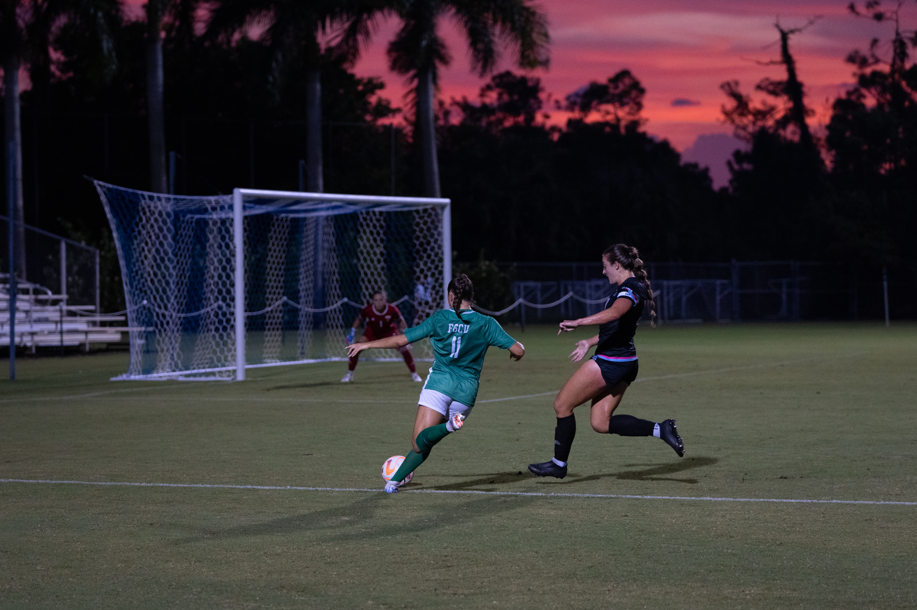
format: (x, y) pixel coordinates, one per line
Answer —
(460, 492)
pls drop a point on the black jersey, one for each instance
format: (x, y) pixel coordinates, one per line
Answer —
(616, 338)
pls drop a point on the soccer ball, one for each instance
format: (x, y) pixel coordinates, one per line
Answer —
(391, 466)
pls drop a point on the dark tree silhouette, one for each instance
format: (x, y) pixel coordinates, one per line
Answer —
(293, 31)
(619, 100)
(507, 100)
(26, 35)
(787, 116)
(418, 51)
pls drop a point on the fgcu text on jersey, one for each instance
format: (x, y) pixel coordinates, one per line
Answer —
(459, 346)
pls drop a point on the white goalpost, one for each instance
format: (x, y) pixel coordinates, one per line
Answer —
(217, 285)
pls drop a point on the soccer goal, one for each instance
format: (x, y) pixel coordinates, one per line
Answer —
(215, 285)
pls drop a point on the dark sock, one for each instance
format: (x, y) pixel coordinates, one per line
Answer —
(628, 425)
(563, 437)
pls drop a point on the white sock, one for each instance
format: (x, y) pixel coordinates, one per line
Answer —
(656, 430)
(558, 462)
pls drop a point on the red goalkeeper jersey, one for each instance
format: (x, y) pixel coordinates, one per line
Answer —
(383, 324)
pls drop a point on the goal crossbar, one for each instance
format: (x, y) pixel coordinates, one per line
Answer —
(321, 204)
(299, 264)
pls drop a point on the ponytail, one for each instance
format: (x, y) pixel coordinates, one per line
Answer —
(629, 258)
(461, 289)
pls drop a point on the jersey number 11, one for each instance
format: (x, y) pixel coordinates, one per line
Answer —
(456, 346)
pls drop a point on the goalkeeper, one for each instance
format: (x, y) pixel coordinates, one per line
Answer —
(379, 320)
(460, 339)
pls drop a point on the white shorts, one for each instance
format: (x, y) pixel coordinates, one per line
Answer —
(441, 403)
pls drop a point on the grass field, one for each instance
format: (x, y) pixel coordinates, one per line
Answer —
(823, 414)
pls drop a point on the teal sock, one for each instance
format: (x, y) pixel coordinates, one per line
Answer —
(430, 436)
(427, 438)
(411, 461)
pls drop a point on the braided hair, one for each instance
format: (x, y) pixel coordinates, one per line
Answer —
(461, 290)
(629, 258)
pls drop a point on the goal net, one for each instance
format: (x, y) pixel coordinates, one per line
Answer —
(215, 285)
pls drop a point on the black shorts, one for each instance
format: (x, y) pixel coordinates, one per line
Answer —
(615, 372)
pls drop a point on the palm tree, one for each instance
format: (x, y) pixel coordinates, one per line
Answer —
(12, 50)
(182, 14)
(156, 13)
(155, 92)
(293, 28)
(26, 36)
(418, 51)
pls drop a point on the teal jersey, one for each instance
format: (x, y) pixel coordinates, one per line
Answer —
(459, 347)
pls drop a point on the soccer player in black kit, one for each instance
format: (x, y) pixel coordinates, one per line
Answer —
(604, 378)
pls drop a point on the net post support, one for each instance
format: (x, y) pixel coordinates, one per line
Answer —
(98, 286)
(885, 293)
(11, 202)
(63, 270)
(447, 252)
(239, 283)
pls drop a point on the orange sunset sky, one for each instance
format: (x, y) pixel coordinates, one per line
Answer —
(681, 51)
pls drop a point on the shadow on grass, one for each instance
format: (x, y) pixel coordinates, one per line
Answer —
(358, 520)
(498, 478)
(653, 473)
(339, 517)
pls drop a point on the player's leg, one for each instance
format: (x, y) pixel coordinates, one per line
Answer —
(427, 418)
(604, 405)
(586, 383)
(408, 359)
(431, 425)
(619, 375)
(366, 337)
(628, 425)
(583, 385)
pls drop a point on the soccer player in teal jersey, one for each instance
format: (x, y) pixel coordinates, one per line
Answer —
(460, 338)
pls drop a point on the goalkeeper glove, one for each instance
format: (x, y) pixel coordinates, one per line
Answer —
(350, 335)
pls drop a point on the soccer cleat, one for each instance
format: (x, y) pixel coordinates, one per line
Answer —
(548, 469)
(391, 487)
(456, 422)
(348, 377)
(669, 433)
(416, 377)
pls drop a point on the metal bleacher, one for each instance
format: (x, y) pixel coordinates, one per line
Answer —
(45, 320)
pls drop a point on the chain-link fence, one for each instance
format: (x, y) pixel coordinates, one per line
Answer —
(755, 291)
(63, 266)
(693, 292)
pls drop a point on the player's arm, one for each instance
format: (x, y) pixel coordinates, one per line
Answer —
(393, 342)
(582, 347)
(617, 309)
(517, 351)
(353, 327)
